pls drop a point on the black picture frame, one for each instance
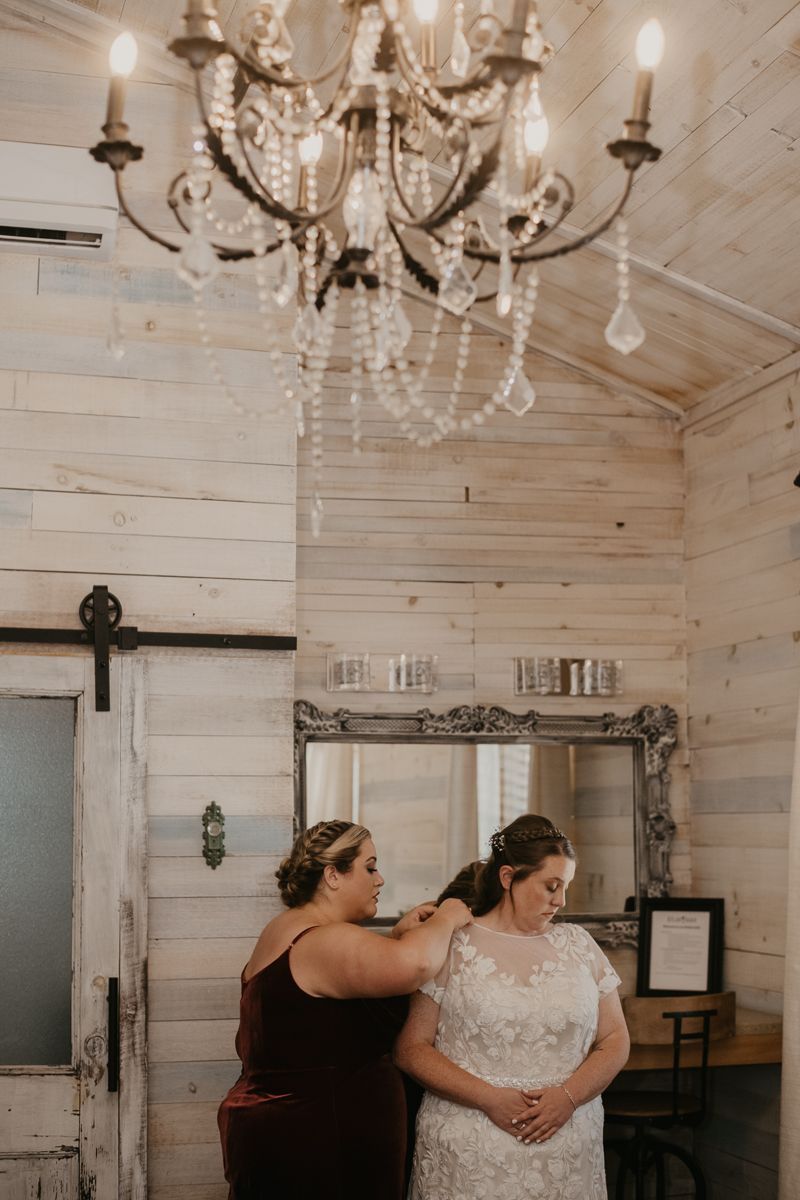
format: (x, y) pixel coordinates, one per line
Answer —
(716, 930)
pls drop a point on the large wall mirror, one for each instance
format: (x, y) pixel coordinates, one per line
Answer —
(432, 788)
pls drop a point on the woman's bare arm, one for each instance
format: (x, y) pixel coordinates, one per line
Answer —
(345, 962)
(612, 1045)
(415, 1053)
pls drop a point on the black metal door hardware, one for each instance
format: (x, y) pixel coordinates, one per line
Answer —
(101, 612)
(113, 1034)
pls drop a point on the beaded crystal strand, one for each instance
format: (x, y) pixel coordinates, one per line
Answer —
(624, 331)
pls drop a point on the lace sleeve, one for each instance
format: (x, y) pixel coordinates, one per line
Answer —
(430, 989)
(604, 974)
(436, 987)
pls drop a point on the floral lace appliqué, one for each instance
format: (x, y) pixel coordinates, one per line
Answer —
(514, 1009)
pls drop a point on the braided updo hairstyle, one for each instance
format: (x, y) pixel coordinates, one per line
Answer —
(523, 845)
(327, 844)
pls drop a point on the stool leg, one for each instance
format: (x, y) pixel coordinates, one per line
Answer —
(661, 1183)
(641, 1168)
(694, 1168)
(627, 1152)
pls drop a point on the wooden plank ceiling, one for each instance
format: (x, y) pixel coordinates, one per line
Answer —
(713, 223)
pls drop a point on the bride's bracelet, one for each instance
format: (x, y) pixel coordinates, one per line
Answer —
(572, 1102)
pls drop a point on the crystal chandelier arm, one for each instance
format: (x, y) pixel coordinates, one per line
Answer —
(262, 74)
(475, 184)
(522, 257)
(222, 252)
(423, 222)
(259, 194)
(153, 237)
(415, 268)
(432, 99)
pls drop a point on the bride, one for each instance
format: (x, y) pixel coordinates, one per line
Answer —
(515, 1038)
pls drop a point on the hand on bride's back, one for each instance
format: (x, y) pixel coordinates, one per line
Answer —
(456, 911)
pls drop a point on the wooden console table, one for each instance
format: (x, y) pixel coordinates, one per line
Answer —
(758, 1039)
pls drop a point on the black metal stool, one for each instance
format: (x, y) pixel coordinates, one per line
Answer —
(660, 1110)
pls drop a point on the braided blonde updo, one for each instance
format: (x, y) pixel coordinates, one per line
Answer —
(327, 844)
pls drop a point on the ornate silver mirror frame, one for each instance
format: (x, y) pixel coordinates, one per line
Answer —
(650, 731)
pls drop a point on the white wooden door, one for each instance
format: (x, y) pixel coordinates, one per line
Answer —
(64, 1133)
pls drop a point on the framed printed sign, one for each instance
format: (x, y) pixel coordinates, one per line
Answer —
(680, 946)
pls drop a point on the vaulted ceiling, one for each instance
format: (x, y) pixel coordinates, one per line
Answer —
(714, 223)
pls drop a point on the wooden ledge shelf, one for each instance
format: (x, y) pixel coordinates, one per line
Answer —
(758, 1039)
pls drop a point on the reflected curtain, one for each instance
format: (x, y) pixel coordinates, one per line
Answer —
(462, 811)
(329, 782)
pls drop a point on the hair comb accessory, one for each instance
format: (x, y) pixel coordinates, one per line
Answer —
(497, 841)
(534, 835)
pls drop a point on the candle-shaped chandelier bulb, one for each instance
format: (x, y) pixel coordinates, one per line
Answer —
(536, 129)
(122, 60)
(650, 45)
(535, 132)
(426, 11)
(649, 52)
(123, 54)
(309, 149)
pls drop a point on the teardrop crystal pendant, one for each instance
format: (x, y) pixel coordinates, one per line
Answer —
(299, 418)
(624, 331)
(518, 394)
(197, 262)
(401, 329)
(459, 54)
(382, 344)
(115, 342)
(307, 328)
(285, 286)
(505, 286)
(457, 290)
(317, 513)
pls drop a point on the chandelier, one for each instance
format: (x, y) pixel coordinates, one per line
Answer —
(385, 220)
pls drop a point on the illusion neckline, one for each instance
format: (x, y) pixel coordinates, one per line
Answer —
(525, 937)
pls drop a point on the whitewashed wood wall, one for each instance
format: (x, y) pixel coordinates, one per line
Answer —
(559, 533)
(138, 474)
(743, 629)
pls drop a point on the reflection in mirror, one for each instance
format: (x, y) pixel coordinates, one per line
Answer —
(432, 808)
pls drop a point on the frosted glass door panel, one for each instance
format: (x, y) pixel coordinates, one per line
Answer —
(37, 743)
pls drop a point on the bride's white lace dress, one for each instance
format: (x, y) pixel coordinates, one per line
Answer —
(518, 1012)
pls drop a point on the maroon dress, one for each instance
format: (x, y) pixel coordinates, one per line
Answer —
(319, 1111)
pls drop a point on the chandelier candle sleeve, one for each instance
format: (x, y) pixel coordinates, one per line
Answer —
(426, 13)
(122, 59)
(649, 52)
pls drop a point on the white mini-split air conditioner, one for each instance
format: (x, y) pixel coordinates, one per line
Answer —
(56, 200)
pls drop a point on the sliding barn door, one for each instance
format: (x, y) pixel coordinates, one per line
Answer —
(72, 892)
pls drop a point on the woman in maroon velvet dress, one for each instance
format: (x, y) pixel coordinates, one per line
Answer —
(319, 1111)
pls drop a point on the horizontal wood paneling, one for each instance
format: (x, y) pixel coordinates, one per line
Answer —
(744, 673)
(555, 547)
(140, 475)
